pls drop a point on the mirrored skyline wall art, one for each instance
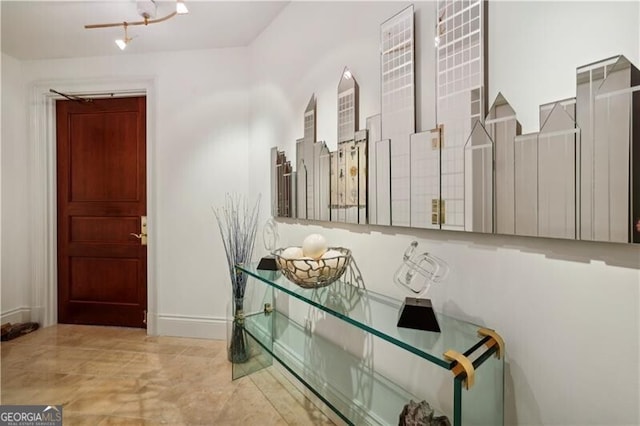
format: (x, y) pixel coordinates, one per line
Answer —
(281, 189)
(425, 179)
(503, 126)
(349, 163)
(557, 141)
(373, 189)
(525, 166)
(398, 107)
(578, 177)
(306, 164)
(460, 99)
(478, 180)
(608, 111)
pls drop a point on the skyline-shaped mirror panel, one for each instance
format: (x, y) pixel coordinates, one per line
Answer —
(383, 181)
(398, 106)
(586, 140)
(616, 140)
(347, 107)
(362, 145)
(503, 126)
(588, 79)
(526, 184)
(425, 179)
(275, 193)
(281, 173)
(478, 181)
(557, 174)
(322, 183)
(460, 94)
(301, 180)
(374, 134)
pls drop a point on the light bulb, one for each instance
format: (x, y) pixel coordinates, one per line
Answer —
(436, 41)
(181, 8)
(121, 44)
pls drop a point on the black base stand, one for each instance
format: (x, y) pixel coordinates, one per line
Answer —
(268, 263)
(418, 314)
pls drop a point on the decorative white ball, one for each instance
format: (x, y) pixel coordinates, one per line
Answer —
(331, 258)
(292, 253)
(314, 246)
(315, 270)
(303, 263)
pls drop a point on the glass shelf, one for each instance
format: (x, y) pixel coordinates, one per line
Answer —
(378, 315)
(347, 382)
(305, 355)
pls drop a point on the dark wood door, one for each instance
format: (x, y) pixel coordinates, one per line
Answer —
(101, 177)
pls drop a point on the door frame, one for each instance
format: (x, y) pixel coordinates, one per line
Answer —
(43, 189)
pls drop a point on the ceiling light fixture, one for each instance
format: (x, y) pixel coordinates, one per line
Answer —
(181, 8)
(147, 10)
(122, 43)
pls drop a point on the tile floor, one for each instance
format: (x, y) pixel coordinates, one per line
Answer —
(120, 376)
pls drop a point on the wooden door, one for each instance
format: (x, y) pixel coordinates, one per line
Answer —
(101, 177)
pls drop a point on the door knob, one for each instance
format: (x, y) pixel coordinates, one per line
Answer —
(142, 236)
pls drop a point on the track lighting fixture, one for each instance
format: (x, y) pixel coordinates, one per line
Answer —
(181, 8)
(147, 10)
(122, 42)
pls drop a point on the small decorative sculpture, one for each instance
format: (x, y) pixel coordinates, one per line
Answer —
(414, 414)
(416, 274)
(419, 271)
(270, 241)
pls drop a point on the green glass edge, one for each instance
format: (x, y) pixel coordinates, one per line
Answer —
(260, 335)
(299, 378)
(457, 400)
(480, 360)
(253, 365)
(484, 356)
(442, 363)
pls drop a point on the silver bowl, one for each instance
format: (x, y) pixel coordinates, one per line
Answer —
(312, 273)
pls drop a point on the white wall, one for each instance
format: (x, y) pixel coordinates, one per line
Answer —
(200, 117)
(568, 311)
(538, 66)
(15, 180)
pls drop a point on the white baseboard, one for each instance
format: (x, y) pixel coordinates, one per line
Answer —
(191, 326)
(16, 315)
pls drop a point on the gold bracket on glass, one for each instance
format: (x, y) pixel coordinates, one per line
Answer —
(268, 308)
(463, 365)
(495, 340)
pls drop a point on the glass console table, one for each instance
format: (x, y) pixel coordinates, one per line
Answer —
(458, 371)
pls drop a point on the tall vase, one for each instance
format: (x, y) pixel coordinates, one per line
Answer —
(238, 351)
